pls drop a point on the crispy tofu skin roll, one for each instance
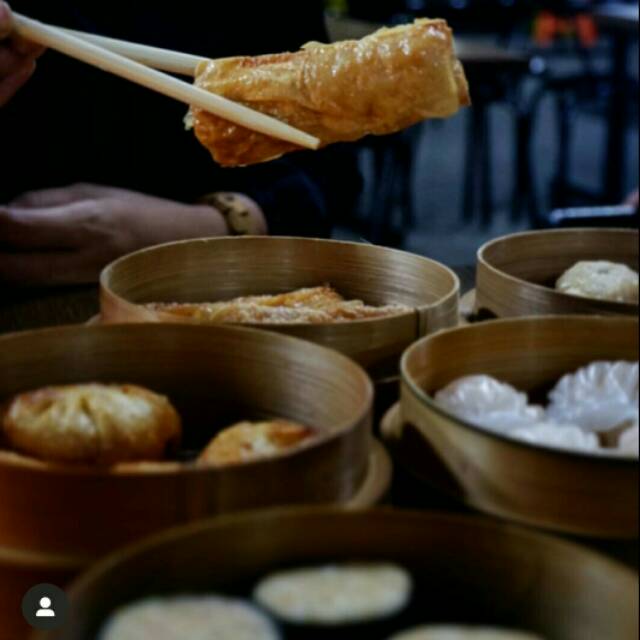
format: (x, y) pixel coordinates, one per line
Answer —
(383, 83)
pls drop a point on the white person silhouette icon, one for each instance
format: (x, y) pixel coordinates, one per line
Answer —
(45, 610)
(45, 606)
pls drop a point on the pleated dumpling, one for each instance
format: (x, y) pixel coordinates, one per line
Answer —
(629, 442)
(489, 403)
(559, 436)
(601, 397)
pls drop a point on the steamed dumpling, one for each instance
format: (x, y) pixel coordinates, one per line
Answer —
(463, 633)
(189, 617)
(335, 594)
(629, 442)
(489, 403)
(559, 436)
(601, 397)
(600, 280)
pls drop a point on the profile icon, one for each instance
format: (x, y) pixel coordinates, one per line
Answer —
(45, 610)
(45, 607)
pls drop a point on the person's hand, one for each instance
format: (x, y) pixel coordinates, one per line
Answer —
(17, 57)
(66, 236)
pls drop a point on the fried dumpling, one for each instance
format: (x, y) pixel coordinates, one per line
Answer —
(92, 424)
(249, 441)
(601, 280)
(341, 92)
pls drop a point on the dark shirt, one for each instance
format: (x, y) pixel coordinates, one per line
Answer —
(74, 123)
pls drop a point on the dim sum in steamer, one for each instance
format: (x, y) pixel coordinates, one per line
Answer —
(601, 397)
(489, 403)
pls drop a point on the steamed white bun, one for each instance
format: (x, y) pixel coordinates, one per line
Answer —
(335, 594)
(192, 617)
(600, 280)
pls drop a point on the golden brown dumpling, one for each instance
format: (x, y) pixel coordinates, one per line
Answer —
(92, 424)
(247, 441)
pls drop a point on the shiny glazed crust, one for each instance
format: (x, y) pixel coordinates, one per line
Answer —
(92, 424)
(248, 441)
(383, 83)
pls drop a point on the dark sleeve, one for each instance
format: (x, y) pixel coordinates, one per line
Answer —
(304, 194)
(99, 128)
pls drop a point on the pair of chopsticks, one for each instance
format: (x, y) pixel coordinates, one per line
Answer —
(140, 64)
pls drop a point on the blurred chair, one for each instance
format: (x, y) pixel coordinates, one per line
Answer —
(497, 76)
(393, 169)
(611, 96)
(624, 216)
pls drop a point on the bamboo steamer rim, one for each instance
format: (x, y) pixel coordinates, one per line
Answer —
(165, 317)
(486, 264)
(421, 395)
(43, 560)
(420, 519)
(172, 468)
(374, 485)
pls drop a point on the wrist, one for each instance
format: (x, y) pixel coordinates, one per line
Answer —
(242, 215)
(210, 221)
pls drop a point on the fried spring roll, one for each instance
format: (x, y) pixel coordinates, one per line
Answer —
(381, 84)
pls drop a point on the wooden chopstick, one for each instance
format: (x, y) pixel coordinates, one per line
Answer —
(106, 60)
(162, 59)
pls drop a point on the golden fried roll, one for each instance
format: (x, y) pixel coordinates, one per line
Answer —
(92, 424)
(247, 441)
(383, 83)
(318, 305)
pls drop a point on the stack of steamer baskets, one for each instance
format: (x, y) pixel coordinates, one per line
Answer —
(536, 336)
(55, 520)
(464, 569)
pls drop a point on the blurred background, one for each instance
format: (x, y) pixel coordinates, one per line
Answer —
(554, 124)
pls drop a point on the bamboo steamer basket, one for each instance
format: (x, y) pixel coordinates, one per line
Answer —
(578, 493)
(466, 569)
(517, 273)
(217, 269)
(55, 519)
